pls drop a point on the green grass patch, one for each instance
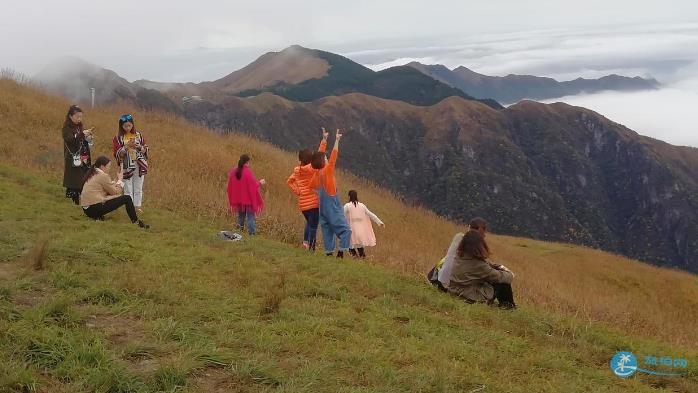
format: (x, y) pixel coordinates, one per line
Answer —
(174, 309)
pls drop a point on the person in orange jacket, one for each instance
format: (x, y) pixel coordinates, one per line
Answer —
(308, 201)
(332, 221)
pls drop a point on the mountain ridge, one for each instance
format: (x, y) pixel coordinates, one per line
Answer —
(513, 87)
(551, 172)
(548, 171)
(302, 74)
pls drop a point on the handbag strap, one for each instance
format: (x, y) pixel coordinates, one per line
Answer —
(71, 153)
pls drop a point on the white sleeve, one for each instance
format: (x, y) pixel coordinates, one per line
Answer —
(346, 209)
(372, 216)
(445, 271)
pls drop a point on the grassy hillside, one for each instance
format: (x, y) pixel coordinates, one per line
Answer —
(571, 293)
(549, 172)
(189, 170)
(84, 308)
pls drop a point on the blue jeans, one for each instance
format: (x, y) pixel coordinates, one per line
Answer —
(333, 223)
(312, 218)
(251, 222)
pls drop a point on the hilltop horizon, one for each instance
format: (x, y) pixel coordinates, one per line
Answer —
(673, 97)
(559, 157)
(159, 237)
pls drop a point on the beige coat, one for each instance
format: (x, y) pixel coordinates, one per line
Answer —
(472, 279)
(98, 189)
(359, 218)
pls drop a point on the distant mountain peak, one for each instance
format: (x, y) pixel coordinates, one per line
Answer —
(464, 69)
(291, 65)
(514, 87)
(296, 48)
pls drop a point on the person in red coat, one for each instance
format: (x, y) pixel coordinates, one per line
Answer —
(244, 196)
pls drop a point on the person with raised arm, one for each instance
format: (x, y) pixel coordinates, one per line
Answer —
(308, 201)
(332, 221)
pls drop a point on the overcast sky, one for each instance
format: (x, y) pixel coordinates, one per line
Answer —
(206, 39)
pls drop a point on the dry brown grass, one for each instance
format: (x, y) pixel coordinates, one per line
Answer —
(36, 255)
(189, 169)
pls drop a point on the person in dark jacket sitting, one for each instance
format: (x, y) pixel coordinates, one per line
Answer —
(474, 278)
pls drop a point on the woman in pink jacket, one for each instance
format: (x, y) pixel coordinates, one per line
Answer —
(359, 219)
(244, 196)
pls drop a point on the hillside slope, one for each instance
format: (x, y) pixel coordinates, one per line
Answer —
(642, 300)
(183, 311)
(513, 88)
(552, 172)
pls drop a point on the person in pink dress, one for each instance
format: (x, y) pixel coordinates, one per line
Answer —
(359, 219)
(244, 196)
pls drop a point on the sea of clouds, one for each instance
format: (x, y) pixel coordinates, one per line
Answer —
(208, 39)
(668, 53)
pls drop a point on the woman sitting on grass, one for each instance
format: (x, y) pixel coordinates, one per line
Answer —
(101, 195)
(474, 278)
(440, 275)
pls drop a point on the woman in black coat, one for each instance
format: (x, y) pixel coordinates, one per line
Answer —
(76, 151)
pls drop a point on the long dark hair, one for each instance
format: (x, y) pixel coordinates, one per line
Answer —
(128, 118)
(353, 197)
(99, 162)
(68, 121)
(473, 245)
(244, 159)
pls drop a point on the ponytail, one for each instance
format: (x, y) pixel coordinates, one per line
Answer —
(353, 197)
(99, 162)
(244, 159)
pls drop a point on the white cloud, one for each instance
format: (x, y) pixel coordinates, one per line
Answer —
(206, 39)
(666, 52)
(668, 114)
(560, 53)
(401, 61)
(130, 36)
